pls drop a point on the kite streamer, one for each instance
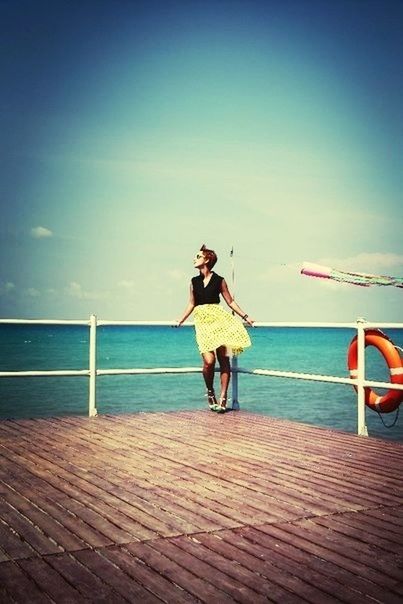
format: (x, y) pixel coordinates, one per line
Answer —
(363, 279)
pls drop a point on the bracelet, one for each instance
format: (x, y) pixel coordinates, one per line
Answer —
(245, 317)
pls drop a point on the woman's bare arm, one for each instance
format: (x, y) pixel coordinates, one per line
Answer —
(189, 308)
(232, 304)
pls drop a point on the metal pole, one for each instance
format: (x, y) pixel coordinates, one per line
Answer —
(234, 359)
(361, 425)
(92, 410)
(234, 386)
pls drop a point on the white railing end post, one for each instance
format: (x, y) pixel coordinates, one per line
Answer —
(92, 409)
(362, 429)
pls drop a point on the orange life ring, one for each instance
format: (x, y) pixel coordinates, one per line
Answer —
(392, 399)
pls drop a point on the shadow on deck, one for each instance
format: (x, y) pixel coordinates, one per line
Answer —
(194, 506)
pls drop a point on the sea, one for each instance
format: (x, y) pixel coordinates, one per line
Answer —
(304, 349)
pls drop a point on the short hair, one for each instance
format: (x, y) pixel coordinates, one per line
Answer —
(210, 255)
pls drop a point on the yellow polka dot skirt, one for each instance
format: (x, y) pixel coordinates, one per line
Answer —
(216, 327)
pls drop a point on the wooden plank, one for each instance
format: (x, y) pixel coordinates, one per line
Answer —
(19, 587)
(332, 488)
(11, 542)
(170, 531)
(285, 438)
(149, 517)
(149, 514)
(257, 501)
(92, 509)
(187, 506)
(50, 535)
(230, 506)
(228, 575)
(230, 567)
(322, 560)
(392, 515)
(281, 492)
(372, 557)
(271, 583)
(111, 507)
(254, 512)
(49, 581)
(313, 544)
(5, 598)
(161, 501)
(86, 582)
(55, 504)
(357, 532)
(377, 525)
(148, 577)
(329, 442)
(20, 538)
(187, 555)
(304, 486)
(270, 565)
(3, 556)
(261, 454)
(299, 568)
(209, 519)
(344, 582)
(112, 575)
(254, 505)
(179, 575)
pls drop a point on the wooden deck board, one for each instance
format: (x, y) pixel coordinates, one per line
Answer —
(195, 507)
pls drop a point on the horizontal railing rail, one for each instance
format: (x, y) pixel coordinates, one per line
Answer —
(359, 382)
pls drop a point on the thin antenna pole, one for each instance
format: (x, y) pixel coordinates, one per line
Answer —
(232, 273)
(234, 360)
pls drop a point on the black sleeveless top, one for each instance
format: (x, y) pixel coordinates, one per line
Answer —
(209, 294)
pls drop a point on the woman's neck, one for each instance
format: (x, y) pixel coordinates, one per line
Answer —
(205, 271)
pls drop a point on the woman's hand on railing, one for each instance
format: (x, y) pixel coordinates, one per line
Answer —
(249, 320)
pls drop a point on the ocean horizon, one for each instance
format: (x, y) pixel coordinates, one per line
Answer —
(318, 350)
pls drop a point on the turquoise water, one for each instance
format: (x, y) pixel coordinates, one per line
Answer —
(309, 350)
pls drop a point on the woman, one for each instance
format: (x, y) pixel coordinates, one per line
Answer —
(218, 333)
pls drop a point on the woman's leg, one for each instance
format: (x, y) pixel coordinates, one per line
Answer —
(225, 373)
(208, 369)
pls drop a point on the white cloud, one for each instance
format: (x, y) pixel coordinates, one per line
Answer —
(6, 288)
(176, 274)
(32, 292)
(75, 290)
(126, 284)
(41, 232)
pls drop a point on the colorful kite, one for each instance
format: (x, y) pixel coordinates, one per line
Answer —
(363, 279)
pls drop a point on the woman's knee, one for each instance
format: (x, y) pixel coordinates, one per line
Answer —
(208, 360)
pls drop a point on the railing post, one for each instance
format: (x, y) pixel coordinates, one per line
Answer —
(361, 425)
(234, 385)
(92, 410)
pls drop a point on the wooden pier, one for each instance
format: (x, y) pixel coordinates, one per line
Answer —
(197, 507)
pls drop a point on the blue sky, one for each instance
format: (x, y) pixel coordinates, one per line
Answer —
(133, 132)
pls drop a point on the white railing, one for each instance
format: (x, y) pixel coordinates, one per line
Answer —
(92, 372)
